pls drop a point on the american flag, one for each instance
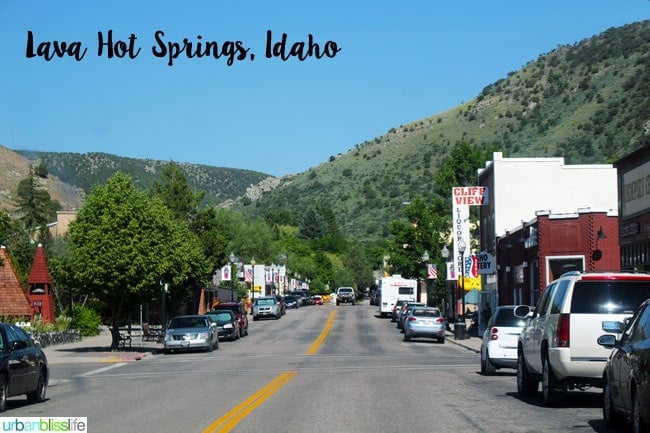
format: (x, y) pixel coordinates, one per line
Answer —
(248, 273)
(432, 271)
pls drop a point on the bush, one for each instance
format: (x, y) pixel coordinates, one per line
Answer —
(86, 320)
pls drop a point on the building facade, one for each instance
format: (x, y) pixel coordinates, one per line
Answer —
(517, 188)
(633, 174)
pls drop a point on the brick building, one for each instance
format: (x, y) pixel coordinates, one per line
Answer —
(538, 251)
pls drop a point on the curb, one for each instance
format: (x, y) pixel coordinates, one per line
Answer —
(450, 337)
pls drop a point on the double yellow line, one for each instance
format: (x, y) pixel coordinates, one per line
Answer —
(228, 421)
(236, 414)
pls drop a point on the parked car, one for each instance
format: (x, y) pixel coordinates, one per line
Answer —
(396, 307)
(374, 297)
(558, 343)
(424, 322)
(499, 344)
(345, 294)
(266, 306)
(291, 301)
(317, 300)
(626, 379)
(227, 324)
(24, 365)
(240, 313)
(403, 311)
(191, 332)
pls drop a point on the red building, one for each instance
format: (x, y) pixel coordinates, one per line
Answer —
(534, 254)
(40, 296)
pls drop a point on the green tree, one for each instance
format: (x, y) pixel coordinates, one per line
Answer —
(176, 193)
(123, 244)
(35, 205)
(313, 225)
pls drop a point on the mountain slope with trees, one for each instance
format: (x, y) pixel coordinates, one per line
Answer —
(588, 102)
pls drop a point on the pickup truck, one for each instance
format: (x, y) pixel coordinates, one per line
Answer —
(345, 294)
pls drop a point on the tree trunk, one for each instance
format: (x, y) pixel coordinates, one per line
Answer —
(115, 335)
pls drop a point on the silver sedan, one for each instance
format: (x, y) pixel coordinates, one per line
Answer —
(190, 333)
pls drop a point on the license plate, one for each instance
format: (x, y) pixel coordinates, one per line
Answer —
(185, 343)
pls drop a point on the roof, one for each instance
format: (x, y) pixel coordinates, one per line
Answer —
(40, 273)
(13, 301)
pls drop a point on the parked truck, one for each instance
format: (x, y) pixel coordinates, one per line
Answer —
(394, 288)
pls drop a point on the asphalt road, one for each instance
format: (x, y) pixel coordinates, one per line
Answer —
(318, 369)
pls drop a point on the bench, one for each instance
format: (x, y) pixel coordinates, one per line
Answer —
(124, 342)
(149, 334)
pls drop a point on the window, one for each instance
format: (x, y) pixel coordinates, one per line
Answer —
(542, 305)
(405, 290)
(558, 299)
(608, 297)
(506, 317)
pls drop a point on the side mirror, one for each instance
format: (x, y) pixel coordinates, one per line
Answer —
(608, 341)
(17, 345)
(522, 311)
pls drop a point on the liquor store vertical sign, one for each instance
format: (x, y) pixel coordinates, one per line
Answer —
(463, 197)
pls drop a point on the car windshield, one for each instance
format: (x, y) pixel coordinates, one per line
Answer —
(221, 316)
(189, 322)
(265, 301)
(506, 317)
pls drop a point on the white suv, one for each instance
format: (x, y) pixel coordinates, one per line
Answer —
(558, 343)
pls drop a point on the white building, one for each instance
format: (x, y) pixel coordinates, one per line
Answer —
(518, 187)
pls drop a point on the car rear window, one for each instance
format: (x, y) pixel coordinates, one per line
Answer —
(506, 317)
(426, 313)
(608, 297)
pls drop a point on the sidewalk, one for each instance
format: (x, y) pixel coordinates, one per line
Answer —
(469, 343)
(98, 349)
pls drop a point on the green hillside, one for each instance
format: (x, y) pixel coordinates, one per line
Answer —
(588, 102)
(89, 169)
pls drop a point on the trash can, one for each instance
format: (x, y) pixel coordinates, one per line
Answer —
(459, 330)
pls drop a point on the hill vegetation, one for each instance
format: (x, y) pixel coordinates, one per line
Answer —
(588, 102)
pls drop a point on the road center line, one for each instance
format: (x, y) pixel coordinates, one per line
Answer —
(230, 419)
(323, 335)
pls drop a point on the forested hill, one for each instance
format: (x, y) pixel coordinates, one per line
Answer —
(588, 102)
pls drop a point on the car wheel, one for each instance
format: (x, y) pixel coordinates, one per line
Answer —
(3, 394)
(255, 318)
(612, 419)
(526, 384)
(489, 368)
(406, 337)
(441, 340)
(552, 389)
(638, 425)
(38, 395)
(337, 302)
(482, 363)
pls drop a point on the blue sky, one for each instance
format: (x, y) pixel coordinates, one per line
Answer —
(398, 62)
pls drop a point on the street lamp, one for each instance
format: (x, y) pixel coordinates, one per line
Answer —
(253, 281)
(283, 260)
(232, 259)
(462, 246)
(444, 252)
(425, 260)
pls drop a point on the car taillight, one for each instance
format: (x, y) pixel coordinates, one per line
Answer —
(563, 331)
(494, 334)
(412, 319)
(440, 320)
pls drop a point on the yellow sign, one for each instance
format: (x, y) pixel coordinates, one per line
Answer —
(471, 283)
(257, 289)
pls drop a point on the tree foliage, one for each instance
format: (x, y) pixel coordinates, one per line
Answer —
(123, 244)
